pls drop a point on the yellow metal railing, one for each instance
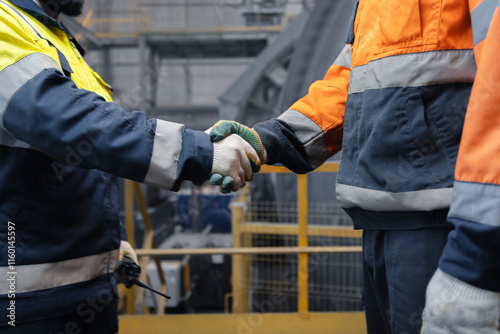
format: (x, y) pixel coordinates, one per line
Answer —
(135, 297)
(151, 19)
(303, 321)
(244, 228)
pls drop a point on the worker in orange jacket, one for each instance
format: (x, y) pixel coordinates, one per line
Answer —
(464, 294)
(394, 102)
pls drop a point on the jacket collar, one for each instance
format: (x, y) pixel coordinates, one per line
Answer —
(33, 9)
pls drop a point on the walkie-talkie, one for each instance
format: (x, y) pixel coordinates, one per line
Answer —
(128, 273)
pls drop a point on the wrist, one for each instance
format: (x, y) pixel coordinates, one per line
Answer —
(195, 160)
(447, 283)
(453, 306)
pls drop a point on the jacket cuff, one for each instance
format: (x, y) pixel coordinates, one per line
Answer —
(196, 158)
(283, 146)
(449, 284)
(165, 158)
(471, 254)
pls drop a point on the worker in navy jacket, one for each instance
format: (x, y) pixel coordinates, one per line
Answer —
(63, 143)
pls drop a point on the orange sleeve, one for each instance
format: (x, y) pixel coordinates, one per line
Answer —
(325, 105)
(479, 154)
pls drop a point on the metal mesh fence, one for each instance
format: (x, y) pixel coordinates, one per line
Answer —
(271, 282)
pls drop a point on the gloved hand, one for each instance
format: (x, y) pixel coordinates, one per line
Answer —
(128, 266)
(223, 129)
(127, 250)
(235, 161)
(453, 306)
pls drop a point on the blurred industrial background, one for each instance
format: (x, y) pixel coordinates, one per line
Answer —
(198, 61)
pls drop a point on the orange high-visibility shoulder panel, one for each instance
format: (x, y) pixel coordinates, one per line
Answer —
(390, 27)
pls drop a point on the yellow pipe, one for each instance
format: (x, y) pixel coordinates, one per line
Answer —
(129, 212)
(239, 275)
(246, 242)
(129, 224)
(254, 323)
(187, 273)
(248, 251)
(131, 293)
(86, 21)
(293, 229)
(112, 20)
(328, 167)
(303, 303)
(149, 243)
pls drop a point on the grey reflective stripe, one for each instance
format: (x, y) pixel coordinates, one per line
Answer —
(166, 151)
(476, 202)
(7, 139)
(344, 58)
(376, 200)
(481, 18)
(21, 15)
(414, 69)
(310, 134)
(18, 74)
(50, 275)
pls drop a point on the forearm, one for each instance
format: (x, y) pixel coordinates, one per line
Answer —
(304, 136)
(283, 146)
(80, 129)
(473, 251)
(464, 294)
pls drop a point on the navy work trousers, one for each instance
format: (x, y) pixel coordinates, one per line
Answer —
(397, 265)
(101, 319)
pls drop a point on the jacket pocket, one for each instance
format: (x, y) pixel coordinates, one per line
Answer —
(390, 143)
(424, 152)
(405, 24)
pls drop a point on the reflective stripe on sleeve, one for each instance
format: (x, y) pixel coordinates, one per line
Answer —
(481, 18)
(165, 158)
(476, 202)
(376, 200)
(7, 139)
(18, 74)
(414, 69)
(50, 275)
(14, 77)
(344, 58)
(310, 134)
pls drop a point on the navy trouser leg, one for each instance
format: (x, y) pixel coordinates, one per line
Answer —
(95, 318)
(375, 294)
(397, 265)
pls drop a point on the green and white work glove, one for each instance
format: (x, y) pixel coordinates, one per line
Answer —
(453, 306)
(234, 162)
(222, 131)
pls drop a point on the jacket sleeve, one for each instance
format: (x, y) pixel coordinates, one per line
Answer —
(472, 253)
(308, 133)
(43, 110)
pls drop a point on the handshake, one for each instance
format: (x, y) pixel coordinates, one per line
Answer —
(238, 153)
